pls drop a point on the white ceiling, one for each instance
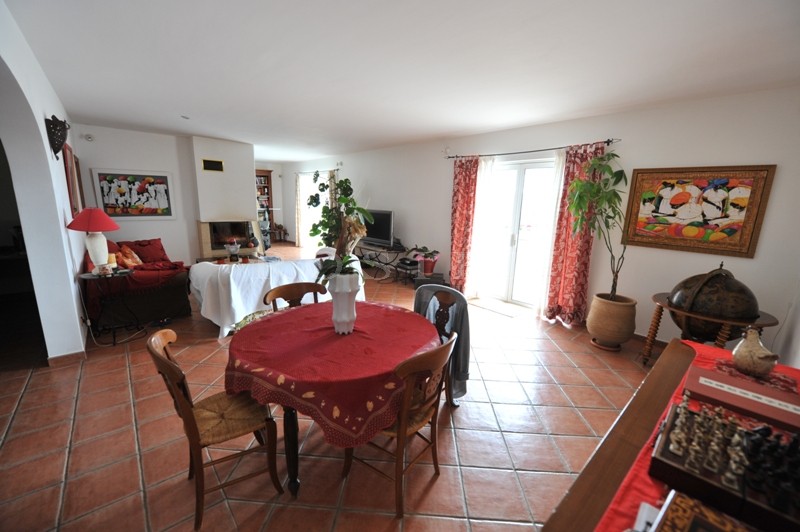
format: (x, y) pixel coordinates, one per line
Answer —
(306, 79)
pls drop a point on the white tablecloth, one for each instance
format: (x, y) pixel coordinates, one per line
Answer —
(229, 292)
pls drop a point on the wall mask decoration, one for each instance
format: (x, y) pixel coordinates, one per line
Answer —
(56, 133)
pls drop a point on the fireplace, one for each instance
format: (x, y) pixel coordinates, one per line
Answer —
(214, 236)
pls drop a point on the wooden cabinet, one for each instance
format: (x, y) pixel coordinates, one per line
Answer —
(264, 196)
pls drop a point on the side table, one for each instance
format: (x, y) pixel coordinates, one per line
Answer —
(662, 302)
(105, 288)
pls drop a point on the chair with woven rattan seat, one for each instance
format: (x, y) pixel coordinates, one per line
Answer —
(213, 420)
(423, 377)
(293, 293)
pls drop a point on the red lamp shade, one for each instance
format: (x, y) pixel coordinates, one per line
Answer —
(93, 220)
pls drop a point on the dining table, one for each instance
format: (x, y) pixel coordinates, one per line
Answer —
(345, 382)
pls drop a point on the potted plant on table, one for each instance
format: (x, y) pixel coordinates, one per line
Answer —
(428, 257)
(596, 207)
(341, 227)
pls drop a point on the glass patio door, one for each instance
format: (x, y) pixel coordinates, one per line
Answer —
(523, 198)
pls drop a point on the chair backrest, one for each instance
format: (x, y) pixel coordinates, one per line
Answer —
(424, 376)
(446, 301)
(174, 378)
(293, 293)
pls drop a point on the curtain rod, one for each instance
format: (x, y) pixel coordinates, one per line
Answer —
(608, 142)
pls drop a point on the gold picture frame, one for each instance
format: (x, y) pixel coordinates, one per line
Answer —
(713, 209)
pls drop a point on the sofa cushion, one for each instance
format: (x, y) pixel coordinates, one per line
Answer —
(160, 266)
(127, 258)
(151, 250)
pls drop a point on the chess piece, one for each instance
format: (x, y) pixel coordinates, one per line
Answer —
(714, 457)
(695, 459)
(751, 357)
(677, 441)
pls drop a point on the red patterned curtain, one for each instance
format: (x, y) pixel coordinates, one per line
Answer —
(465, 179)
(569, 270)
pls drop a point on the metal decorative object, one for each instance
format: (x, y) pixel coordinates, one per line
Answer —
(56, 133)
(716, 294)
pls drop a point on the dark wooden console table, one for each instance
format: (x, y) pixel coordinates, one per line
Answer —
(662, 302)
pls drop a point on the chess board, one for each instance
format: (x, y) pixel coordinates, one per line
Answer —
(749, 471)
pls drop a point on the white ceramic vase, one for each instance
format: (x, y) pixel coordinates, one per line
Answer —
(343, 289)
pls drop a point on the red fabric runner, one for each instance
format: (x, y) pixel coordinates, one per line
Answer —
(638, 486)
(344, 382)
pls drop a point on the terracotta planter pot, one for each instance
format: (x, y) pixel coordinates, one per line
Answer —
(611, 323)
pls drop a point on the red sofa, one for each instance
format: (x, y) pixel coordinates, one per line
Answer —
(156, 290)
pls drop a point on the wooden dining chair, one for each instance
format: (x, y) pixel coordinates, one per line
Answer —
(442, 319)
(423, 377)
(293, 293)
(213, 420)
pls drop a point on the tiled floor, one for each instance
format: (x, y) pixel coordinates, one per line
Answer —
(96, 445)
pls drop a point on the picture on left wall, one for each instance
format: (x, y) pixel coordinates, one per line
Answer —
(134, 194)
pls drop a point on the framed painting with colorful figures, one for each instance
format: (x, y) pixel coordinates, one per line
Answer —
(135, 194)
(706, 209)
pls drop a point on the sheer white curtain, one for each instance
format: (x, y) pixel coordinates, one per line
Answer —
(480, 257)
(303, 213)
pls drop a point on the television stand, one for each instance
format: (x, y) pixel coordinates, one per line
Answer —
(383, 257)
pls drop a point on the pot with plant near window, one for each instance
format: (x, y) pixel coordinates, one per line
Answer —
(427, 258)
(341, 226)
(595, 206)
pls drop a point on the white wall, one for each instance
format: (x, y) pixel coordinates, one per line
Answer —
(754, 128)
(54, 252)
(230, 194)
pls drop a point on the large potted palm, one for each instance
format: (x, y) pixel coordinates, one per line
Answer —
(596, 206)
(341, 226)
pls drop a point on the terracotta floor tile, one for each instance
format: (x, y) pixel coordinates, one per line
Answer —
(35, 511)
(347, 521)
(172, 501)
(31, 445)
(249, 516)
(518, 418)
(494, 494)
(152, 407)
(476, 390)
(100, 487)
(586, 397)
(492, 371)
(160, 431)
(101, 451)
(535, 452)
(599, 419)
(563, 420)
(498, 526)
(506, 392)
(428, 493)
(554, 358)
(33, 475)
(91, 403)
(48, 395)
(420, 523)
(482, 448)
(165, 461)
(585, 360)
(126, 515)
(633, 377)
(95, 382)
(148, 387)
(102, 422)
(544, 491)
(546, 394)
(576, 450)
(48, 378)
(568, 375)
(617, 396)
(43, 416)
(603, 377)
(288, 517)
(531, 373)
(479, 416)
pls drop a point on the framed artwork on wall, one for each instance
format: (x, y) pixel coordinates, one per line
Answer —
(134, 194)
(74, 188)
(714, 209)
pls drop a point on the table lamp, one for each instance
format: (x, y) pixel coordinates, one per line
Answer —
(94, 221)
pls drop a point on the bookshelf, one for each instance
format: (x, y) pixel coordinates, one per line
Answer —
(264, 196)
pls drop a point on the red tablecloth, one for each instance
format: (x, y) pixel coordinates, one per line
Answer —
(638, 486)
(344, 382)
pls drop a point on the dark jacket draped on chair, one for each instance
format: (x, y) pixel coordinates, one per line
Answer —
(426, 305)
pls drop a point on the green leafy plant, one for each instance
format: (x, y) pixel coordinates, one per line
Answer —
(596, 207)
(336, 266)
(341, 225)
(425, 252)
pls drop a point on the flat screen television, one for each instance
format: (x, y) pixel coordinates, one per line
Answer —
(381, 231)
